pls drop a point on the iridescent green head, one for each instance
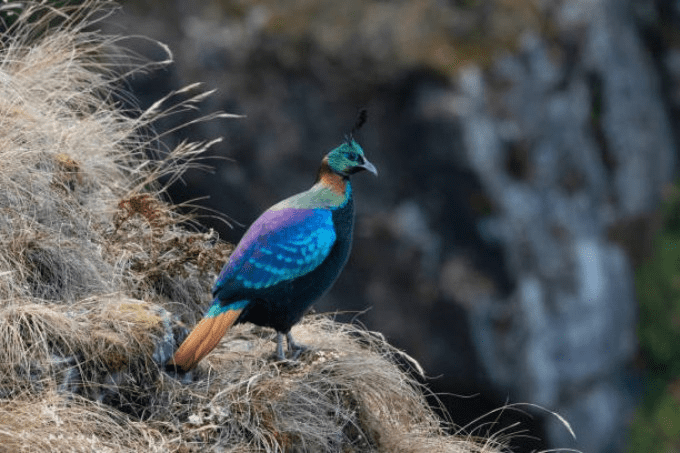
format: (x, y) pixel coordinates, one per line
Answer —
(348, 159)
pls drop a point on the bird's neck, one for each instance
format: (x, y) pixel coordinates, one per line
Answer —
(338, 184)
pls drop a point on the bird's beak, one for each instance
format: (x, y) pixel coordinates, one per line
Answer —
(370, 167)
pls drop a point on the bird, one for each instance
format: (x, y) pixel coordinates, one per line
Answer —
(288, 258)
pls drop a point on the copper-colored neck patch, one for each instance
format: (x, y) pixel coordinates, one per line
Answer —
(332, 180)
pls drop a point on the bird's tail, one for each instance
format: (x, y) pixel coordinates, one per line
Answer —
(206, 335)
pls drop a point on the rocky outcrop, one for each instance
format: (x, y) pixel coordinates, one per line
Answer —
(595, 149)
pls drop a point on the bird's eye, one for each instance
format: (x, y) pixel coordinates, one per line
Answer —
(353, 157)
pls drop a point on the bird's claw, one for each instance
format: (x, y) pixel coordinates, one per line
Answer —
(295, 350)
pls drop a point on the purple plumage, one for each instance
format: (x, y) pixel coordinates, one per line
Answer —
(282, 244)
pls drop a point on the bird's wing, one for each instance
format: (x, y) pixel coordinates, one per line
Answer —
(281, 245)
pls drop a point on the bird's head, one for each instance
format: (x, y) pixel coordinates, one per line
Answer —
(348, 159)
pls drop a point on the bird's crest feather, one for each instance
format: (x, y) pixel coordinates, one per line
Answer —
(362, 116)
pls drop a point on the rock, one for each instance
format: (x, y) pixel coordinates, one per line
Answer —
(598, 150)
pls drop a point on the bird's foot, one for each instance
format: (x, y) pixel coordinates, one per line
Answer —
(295, 349)
(280, 356)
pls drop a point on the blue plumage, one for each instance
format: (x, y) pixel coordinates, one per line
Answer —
(286, 260)
(216, 308)
(281, 245)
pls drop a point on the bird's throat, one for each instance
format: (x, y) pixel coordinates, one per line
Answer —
(335, 182)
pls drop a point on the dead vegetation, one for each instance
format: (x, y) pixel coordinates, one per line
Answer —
(97, 274)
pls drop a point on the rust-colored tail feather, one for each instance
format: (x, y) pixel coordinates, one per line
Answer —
(203, 339)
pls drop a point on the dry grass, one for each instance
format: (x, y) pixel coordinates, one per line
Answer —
(96, 272)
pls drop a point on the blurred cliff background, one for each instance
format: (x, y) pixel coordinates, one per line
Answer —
(525, 149)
